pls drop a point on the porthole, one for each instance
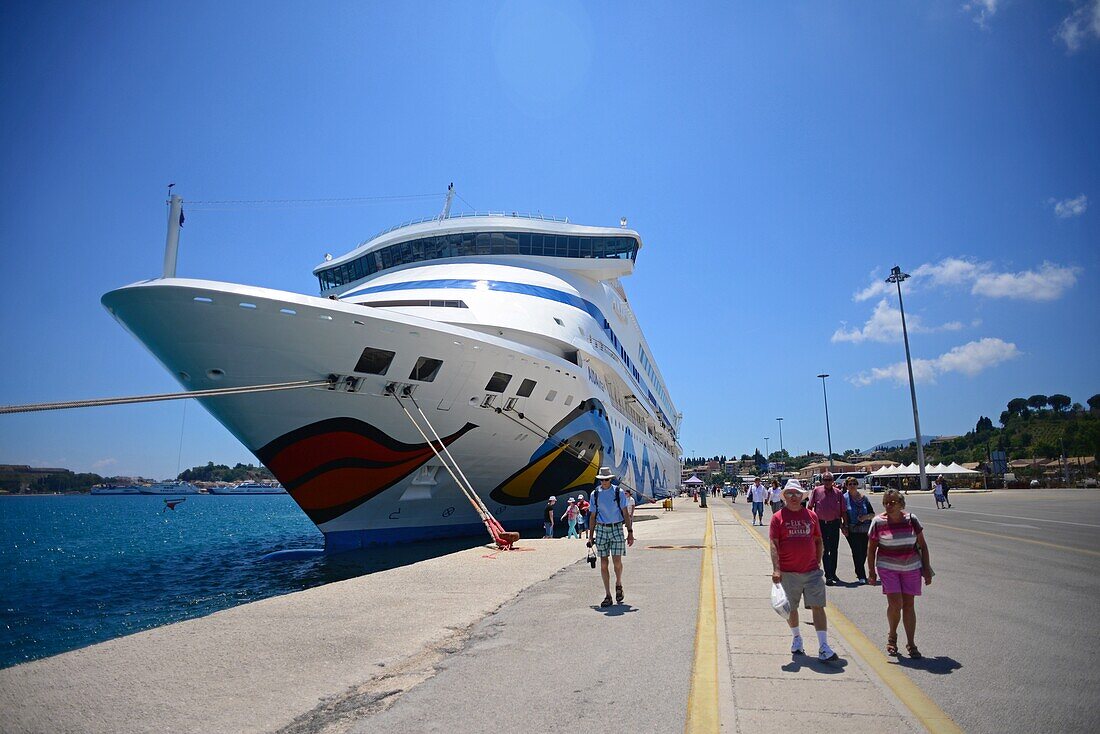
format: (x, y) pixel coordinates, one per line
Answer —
(498, 382)
(374, 361)
(425, 369)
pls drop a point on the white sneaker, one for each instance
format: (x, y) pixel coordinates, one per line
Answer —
(827, 655)
(796, 646)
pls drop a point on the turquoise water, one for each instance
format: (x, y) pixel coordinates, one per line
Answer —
(75, 570)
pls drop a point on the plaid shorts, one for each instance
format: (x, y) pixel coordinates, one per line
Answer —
(610, 540)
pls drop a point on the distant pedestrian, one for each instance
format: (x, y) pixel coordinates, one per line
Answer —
(796, 551)
(860, 514)
(582, 513)
(898, 554)
(570, 517)
(946, 490)
(629, 503)
(606, 519)
(548, 517)
(939, 494)
(756, 494)
(828, 505)
(775, 497)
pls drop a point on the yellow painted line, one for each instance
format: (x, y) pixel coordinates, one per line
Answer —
(909, 693)
(1015, 539)
(702, 711)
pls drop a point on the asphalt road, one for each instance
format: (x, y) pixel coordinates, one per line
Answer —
(1009, 625)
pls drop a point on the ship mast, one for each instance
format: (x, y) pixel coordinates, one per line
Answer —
(447, 204)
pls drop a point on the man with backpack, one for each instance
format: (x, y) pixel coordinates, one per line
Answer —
(608, 513)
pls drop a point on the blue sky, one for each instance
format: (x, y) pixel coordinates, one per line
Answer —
(777, 158)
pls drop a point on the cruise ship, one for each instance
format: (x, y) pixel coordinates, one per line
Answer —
(509, 337)
(248, 488)
(172, 488)
(115, 489)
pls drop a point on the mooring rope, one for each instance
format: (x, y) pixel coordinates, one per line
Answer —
(243, 390)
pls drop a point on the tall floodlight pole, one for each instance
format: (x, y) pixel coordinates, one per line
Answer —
(828, 432)
(896, 276)
(780, 433)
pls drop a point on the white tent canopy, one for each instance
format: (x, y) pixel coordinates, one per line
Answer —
(913, 470)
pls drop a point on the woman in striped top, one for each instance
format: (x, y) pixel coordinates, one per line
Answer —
(898, 554)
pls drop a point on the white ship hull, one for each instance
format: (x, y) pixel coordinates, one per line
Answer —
(349, 456)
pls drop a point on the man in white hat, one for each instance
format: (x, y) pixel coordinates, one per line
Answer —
(608, 514)
(548, 517)
(796, 550)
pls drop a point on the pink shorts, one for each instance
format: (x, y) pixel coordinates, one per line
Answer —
(900, 582)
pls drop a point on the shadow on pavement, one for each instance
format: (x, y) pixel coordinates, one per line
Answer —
(798, 662)
(939, 665)
(616, 610)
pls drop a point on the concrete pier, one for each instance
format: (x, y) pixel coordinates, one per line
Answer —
(482, 641)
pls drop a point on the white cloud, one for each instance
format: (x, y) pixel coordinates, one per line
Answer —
(104, 463)
(1046, 284)
(1079, 25)
(878, 287)
(950, 271)
(885, 326)
(982, 10)
(969, 359)
(1067, 208)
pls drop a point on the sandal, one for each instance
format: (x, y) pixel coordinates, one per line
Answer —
(618, 594)
(606, 601)
(892, 644)
(913, 652)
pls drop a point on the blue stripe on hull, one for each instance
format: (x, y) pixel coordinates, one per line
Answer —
(344, 540)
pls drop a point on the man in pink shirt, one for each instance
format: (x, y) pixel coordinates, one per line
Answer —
(827, 502)
(796, 550)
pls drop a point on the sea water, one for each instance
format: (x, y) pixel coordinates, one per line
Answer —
(80, 569)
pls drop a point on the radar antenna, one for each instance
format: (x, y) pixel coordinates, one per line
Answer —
(447, 204)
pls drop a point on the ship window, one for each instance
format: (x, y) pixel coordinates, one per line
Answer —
(426, 369)
(374, 361)
(498, 382)
(526, 388)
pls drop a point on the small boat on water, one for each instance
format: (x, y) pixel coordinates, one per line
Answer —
(249, 488)
(115, 489)
(172, 488)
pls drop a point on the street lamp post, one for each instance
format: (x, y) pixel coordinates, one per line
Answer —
(780, 433)
(828, 432)
(896, 276)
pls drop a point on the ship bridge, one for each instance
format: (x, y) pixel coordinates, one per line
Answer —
(486, 235)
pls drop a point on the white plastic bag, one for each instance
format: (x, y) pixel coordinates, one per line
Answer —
(780, 604)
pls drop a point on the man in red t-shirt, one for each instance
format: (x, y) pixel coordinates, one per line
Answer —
(796, 548)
